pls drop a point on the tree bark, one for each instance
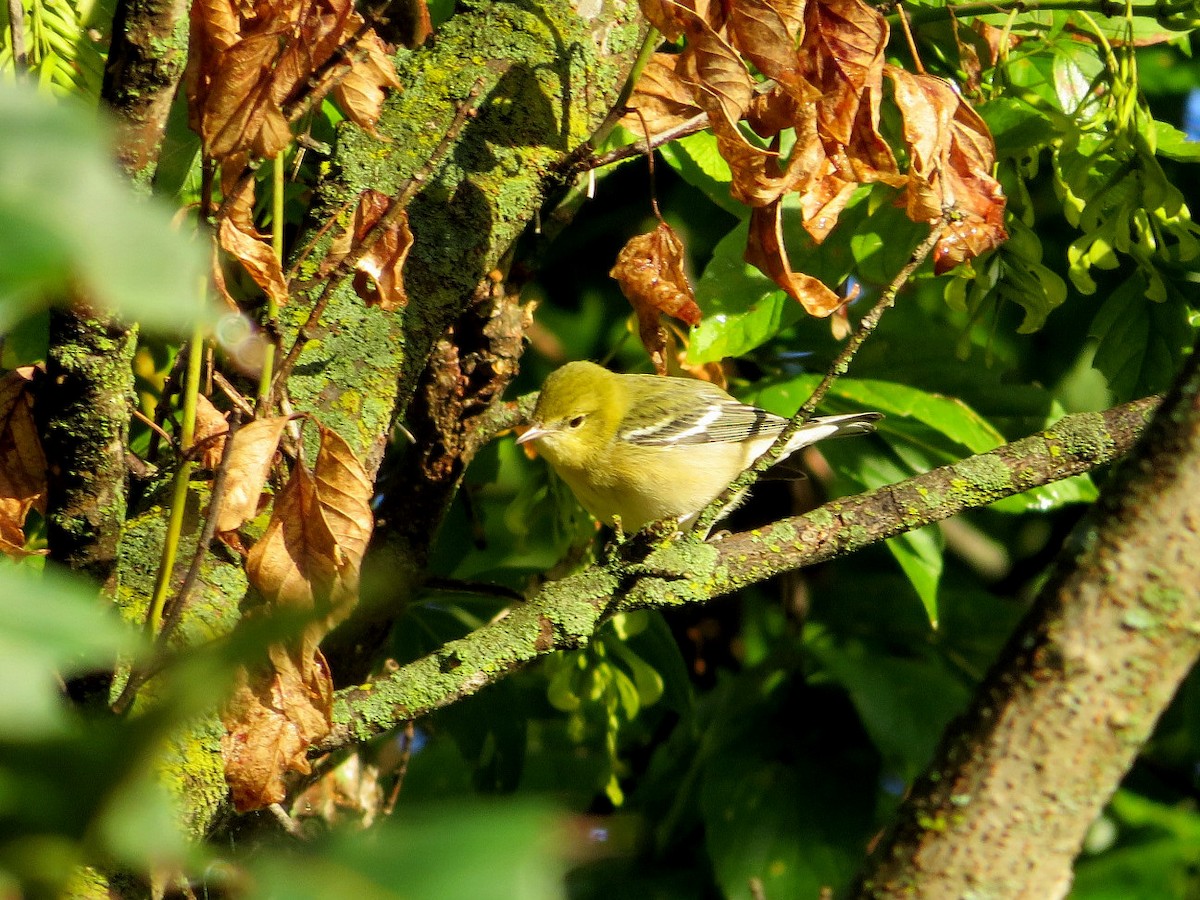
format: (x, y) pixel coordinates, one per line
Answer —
(1004, 808)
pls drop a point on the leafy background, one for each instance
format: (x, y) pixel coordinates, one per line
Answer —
(750, 748)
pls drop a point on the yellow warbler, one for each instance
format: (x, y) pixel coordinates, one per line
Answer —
(645, 447)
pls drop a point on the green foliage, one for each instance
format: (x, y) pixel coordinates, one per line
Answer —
(515, 850)
(71, 226)
(753, 747)
(61, 54)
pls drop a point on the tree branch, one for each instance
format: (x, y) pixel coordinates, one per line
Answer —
(566, 613)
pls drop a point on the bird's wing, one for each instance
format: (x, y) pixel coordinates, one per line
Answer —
(710, 416)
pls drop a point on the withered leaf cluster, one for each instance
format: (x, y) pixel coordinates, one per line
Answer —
(248, 61)
(759, 68)
(252, 67)
(308, 559)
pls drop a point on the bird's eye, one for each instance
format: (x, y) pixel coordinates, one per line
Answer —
(575, 421)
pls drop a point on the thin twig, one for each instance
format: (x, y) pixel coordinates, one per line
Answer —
(395, 210)
(236, 397)
(401, 769)
(908, 36)
(174, 611)
(153, 426)
(693, 125)
(650, 166)
(16, 30)
(839, 367)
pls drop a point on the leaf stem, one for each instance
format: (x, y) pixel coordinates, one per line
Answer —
(268, 364)
(183, 475)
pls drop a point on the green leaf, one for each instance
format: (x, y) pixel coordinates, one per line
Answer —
(788, 813)
(1153, 851)
(1174, 144)
(54, 627)
(699, 163)
(742, 307)
(1017, 127)
(904, 702)
(1140, 343)
(919, 554)
(68, 220)
(947, 416)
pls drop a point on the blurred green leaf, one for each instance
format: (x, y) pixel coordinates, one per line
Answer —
(68, 220)
(54, 627)
(785, 807)
(514, 851)
(1154, 852)
(904, 701)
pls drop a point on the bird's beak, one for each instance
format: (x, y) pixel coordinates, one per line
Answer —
(534, 432)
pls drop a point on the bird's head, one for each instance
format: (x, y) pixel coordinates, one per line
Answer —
(577, 414)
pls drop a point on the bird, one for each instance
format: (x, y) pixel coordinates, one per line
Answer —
(637, 449)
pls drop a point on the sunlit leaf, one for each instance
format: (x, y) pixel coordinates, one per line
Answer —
(250, 460)
(765, 250)
(257, 258)
(361, 92)
(951, 155)
(277, 711)
(662, 100)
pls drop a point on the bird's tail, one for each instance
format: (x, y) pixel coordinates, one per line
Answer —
(823, 427)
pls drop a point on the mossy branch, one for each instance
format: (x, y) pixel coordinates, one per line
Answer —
(567, 613)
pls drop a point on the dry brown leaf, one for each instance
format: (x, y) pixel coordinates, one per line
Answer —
(295, 562)
(309, 557)
(767, 35)
(665, 15)
(951, 156)
(247, 62)
(250, 460)
(765, 250)
(343, 494)
(22, 463)
(843, 47)
(649, 270)
(257, 258)
(379, 275)
(361, 92)
(661, 96)
(275, 714)
(716, 73)
(211, 427)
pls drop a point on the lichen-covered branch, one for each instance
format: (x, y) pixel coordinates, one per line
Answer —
(83, 410)
(566, 613)
(145, 63)
(549, 78)
(1004, 807)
